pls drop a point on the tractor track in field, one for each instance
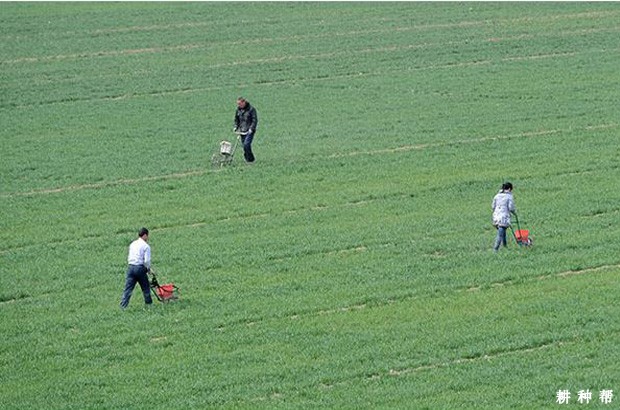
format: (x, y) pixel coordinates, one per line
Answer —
(382, 151)
(562, 274)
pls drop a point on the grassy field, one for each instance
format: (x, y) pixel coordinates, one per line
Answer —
(351, 266)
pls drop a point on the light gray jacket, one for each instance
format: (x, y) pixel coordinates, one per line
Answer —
(503, 205)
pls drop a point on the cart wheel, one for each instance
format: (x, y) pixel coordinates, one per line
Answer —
(216, 160)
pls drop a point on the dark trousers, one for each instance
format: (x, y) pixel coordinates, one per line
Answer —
(136, 274)
(246, 140)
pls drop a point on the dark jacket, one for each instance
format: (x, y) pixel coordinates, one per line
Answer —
(246, 118)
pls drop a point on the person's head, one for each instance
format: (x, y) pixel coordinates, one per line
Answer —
(506, 186)
(241, 102)
(143, 233)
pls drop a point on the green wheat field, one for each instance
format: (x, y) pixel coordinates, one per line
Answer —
(350, 267)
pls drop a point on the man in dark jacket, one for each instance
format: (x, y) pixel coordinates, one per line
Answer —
(246, 121)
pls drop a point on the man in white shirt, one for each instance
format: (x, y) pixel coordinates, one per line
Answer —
(139, 260)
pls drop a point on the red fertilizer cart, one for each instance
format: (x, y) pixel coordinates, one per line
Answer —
(522, 236)
(163, 293)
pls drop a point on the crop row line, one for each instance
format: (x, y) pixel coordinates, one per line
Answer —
(563, 274)
(465, 360)
(414, 147)
(379, 375)
(350, 33)
(300, 80)
(524, 349)
(202, 223)
(103, 53)
(474, 358)
(190, 47)
(106, 184)
(396, 48)
(421, 27)
(199, 224)
(373, 304)
(404, 148)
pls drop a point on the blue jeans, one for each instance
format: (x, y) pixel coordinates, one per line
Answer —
(500, 239)
(246, 140)
(136, 274)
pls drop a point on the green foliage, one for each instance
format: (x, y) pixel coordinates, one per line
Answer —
(351, 266)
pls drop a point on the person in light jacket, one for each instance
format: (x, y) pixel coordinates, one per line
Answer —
(503, 206)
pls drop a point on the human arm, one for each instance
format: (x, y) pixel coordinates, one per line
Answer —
(511, 206)
(253, 120)
(236, 121)
(147, 258)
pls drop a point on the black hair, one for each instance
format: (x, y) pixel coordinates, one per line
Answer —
(142, 232)
(506, 186)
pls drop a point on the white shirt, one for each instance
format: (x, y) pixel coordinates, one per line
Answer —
(139, 253)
